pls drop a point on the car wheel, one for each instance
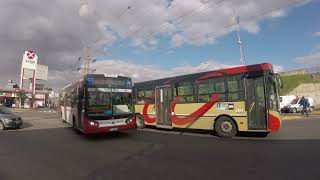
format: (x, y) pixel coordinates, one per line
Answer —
(140, 121)
(225, 127)
(294, 110)
(2, 127)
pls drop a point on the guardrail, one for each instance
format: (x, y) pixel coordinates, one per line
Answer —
(310, 71)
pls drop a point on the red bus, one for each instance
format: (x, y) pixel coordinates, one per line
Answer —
(98, 103)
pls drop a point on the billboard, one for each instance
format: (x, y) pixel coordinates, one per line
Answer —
(30, 60)
(42, 72)
(28, 73)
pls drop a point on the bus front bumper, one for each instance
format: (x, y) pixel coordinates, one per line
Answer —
(98, 129)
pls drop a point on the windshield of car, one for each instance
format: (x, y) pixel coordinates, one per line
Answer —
(5, 110)
(295, 101)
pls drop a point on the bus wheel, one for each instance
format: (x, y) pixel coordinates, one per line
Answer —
(140, 121)
(225, 127)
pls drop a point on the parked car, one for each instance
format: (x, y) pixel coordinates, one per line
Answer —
(295, 107)
(285, 101)
(8, 119)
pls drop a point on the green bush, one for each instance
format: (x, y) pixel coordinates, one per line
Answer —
(291, 82)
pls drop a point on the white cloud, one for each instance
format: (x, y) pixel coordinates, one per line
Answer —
(278, 68)
(317, 34)
(59, 32)
(312, 59)
(141, 72)
(84, 10)
(194, 22)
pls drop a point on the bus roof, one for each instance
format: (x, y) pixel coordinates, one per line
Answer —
(94, 76)
(209, 74)
(102, 76)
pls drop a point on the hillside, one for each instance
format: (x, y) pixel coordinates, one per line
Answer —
(291, 82)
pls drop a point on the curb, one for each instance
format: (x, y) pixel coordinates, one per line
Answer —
(295, 117)
(285, 118)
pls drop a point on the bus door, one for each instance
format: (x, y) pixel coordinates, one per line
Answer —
(256, 103)
(81, 107)
(163, 101)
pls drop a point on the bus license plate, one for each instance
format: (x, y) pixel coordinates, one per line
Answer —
(114, 129)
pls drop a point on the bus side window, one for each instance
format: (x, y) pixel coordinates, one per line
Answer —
(68, 99)
(145, 96)
(185, 91)
(210, 86)
(235, 88)
(140, 97)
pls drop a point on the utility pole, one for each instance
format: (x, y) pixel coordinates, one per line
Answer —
(87, 60)
(240, 43)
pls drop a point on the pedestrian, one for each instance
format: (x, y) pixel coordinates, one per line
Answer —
(305, 105)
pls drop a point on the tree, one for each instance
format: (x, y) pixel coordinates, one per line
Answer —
(22, 97)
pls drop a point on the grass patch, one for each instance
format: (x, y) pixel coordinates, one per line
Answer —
(291, 82)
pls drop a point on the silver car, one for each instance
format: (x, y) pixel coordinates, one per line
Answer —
(8, 119)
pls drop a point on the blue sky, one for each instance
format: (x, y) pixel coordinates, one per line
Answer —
(59, 33)
(279, 41)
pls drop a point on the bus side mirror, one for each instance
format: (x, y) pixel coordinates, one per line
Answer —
(279, 80)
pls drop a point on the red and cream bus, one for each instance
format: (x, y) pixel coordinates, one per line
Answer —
(98, 103)
(227, 101)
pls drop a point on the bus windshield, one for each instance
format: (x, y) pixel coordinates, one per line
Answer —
(122, 103)
(99, 99)
(273, 93)
(108, 102)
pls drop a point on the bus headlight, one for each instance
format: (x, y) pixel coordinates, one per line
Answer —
(93, 123)
(128, 121)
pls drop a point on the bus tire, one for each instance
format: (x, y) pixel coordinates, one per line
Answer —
(140, 121)
(225, 127)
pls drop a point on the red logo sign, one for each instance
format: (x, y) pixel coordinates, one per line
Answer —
(30, 54)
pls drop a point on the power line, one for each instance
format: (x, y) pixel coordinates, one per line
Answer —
(251, 18)
(166, 24)
(191, 12)
(264, 13)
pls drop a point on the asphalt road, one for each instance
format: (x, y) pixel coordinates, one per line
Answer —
(47, 149)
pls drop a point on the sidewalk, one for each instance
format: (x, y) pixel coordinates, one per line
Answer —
(291, 116)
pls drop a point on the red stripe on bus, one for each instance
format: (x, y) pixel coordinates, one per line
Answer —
(211, 75)
(195, 115)
(237, 70)
(274, 123)
(145, 114)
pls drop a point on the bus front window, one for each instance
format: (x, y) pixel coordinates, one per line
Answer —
(99, 103)
(122, 103)
(273, 95)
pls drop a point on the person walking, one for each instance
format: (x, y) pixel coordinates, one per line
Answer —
(305, 105)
